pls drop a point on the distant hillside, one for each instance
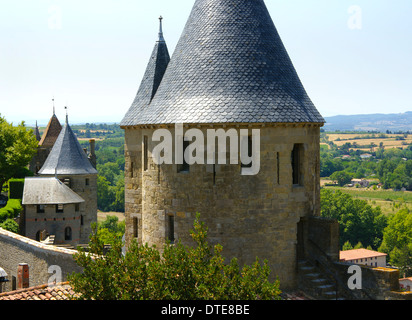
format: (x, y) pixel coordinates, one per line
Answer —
(371, 122)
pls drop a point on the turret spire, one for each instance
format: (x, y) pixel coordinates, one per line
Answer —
(161, 38)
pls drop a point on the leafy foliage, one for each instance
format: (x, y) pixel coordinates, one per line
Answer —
(393, 167)
(180, 272)
(397, 240)
(359, 222)
(16, 187)
(18, 145)
(10, 225)
(111, 229)
(11, 210)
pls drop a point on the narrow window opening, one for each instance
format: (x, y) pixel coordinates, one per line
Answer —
(185, 166)
(135, 227)
(131, 169)
(214, 174)
(59, 208)
(40, 208)
(171, 228)
(77, 207)
(145, 153)
(66, 181)
(67, 233)
(87, 181)
(278, 168)
(81, 220)
(297, 157)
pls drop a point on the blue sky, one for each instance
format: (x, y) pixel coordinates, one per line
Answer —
(91, 55)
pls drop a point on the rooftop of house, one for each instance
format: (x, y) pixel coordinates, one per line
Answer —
(406, 279)
(61, 291)
(40, 190)
(359, 254)
(229, 66)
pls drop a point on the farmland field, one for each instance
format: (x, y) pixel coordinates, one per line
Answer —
(364, 140)
(390, 201)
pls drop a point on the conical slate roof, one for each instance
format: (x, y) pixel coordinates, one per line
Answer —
(67, 156)
(229, 65)
(153, 76)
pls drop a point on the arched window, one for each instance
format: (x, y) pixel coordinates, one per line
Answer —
(67, 233)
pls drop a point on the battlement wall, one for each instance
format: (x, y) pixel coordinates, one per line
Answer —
(46, 262)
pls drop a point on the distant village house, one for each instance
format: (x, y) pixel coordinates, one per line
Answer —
(364, 257)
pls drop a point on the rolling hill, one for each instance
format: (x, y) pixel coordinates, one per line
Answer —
(370, 122)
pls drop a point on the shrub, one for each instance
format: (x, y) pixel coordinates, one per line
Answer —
(11, 210)
(179, 273)
(16, 188)
(10, 225)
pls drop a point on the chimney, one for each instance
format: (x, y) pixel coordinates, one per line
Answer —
(92, 156)
(23, 276)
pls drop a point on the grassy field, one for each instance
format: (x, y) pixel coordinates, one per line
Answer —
(101, 216)
(388, 140)
(390, 201)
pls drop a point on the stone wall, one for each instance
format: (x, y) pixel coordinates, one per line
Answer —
(53, 222)
(250, 216)
(377, 283)
(16, 249)
(86, 187)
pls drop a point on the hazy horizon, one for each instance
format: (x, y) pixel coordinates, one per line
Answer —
(352, 58)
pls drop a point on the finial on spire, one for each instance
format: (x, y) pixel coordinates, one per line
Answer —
(161, 30)
(54, 111)
(67, 116)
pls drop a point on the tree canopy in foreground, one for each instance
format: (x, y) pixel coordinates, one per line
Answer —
(18, 146)
(179, 273)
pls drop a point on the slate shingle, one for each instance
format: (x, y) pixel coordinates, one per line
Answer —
(67, 156)
(229, 65)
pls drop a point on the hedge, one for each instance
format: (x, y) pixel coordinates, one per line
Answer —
(11, 210)
(16, 188)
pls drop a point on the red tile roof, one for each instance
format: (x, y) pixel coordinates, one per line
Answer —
(359, 254)
(61, 291)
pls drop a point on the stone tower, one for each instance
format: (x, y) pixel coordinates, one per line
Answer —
(229, 71)
(69, 163)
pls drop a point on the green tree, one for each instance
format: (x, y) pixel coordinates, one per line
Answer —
(347, 246)
(341, 177)
(105, 194)
(358, 221)
(18, 146)
(180, 272)
(397, 240)
(110, 229)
